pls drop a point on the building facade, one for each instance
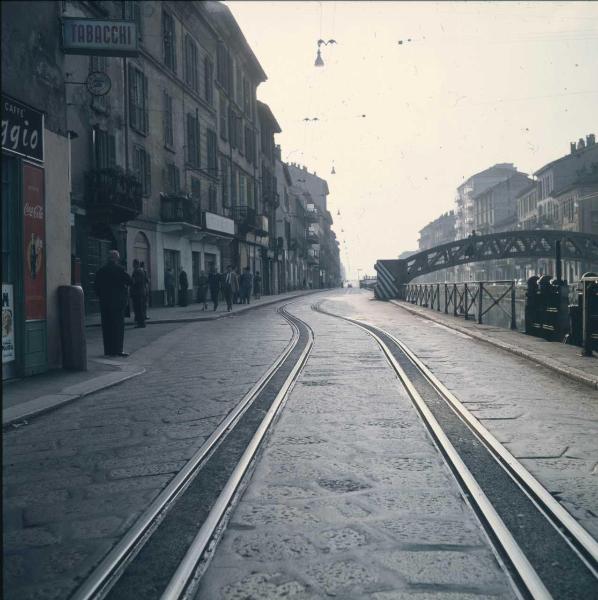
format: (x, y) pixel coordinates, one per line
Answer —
(36, 240)
(149, 139)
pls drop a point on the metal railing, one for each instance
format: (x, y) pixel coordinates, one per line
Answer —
(470, 300)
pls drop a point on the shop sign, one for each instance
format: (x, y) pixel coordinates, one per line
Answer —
(220, 223)
(99, 37)
(8, 323)
(22, 129)
(34, 240)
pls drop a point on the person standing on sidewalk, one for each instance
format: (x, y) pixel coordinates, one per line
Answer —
(202, 290)
(214, 285)
(111, 283)
(183, 287)
(230, 285)
(138, 293)
(246, 283)
(148, 289)
(257, 285)
(169, 286)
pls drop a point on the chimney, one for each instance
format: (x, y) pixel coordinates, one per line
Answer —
(581, 144)
(590, 139)
(572, 146)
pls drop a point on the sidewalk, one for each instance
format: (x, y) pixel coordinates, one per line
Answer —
(563, 359)
(193, 312)
(31, 396)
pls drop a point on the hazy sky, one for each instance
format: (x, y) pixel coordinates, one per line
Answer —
(479, 83)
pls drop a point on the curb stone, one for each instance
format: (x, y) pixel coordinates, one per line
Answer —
(569, 372)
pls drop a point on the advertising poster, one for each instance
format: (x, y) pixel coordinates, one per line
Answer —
(34, 240)
(8, 324)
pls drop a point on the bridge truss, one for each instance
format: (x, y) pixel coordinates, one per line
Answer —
(509, 244)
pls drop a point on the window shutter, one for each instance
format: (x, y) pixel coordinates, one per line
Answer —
(132, 95)
(111, 151)
(145, 105)
(147, 175)
(198, 138)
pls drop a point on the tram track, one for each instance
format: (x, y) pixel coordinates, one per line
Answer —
(545, 551)
(163, 552)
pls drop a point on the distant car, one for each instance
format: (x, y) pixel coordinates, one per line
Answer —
(349, 285)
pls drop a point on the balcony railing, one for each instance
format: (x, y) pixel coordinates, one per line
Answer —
(311, 214)
(248, 220)
(113, 196)
(313, 256)
(176, 208)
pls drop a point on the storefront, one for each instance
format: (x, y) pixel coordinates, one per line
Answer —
(24, 305)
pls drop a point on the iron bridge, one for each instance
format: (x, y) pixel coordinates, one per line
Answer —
(392, 274)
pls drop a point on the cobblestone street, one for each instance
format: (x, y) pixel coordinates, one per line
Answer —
(350, 496)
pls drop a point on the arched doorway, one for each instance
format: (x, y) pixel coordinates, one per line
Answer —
(141, 252)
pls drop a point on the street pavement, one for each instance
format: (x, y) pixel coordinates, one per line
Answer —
(349, 497)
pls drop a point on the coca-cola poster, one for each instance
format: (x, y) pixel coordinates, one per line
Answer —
(34, 240)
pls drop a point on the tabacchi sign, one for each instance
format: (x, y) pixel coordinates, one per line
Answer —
(103, 37)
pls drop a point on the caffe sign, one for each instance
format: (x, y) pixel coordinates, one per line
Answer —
(100, 37)
(22, 129)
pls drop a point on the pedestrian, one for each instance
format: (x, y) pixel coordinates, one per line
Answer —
(202, 290)
(230, 285)
(169, 286)
(111, 282)
(214, 285)
(257, 285)
(245, 285)
(138, 293)
(237, 297)
(148, 289)
(183, 287)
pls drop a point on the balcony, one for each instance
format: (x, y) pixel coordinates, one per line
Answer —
(178, 208)
(113, 196)
(311, 214)
(313, 256)
(311, 236)
(249, 220)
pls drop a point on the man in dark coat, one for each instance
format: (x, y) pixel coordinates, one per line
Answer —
(138, 293)
(230, 284)
(169, 286)
(183, 287)
(111, 284)
(214, 285)
(245, 285)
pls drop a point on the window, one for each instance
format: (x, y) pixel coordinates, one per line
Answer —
(224, 68)
(196, 191)
(172, 179)
(168, 126)
(142, 169)
(250, 193)
(191, 63)
(250, 145)
(193, 154)
(169, 41)
(212, 205)
(138, 114)
(208, 74)
(239, 87)
(242, 190)
(133, 13)
(223, 118)
(212, 153)
(224, 183)
(246, 97)
(233, 187)
(104, 145)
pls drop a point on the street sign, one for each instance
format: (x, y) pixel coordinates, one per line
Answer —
(99, 37)
(22, 129)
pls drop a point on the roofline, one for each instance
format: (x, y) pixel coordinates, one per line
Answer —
(269, 115)
(497, 165)
(562, 158)
(225, 17)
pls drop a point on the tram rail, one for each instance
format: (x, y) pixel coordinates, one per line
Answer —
(523, 521)
(256, 411)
